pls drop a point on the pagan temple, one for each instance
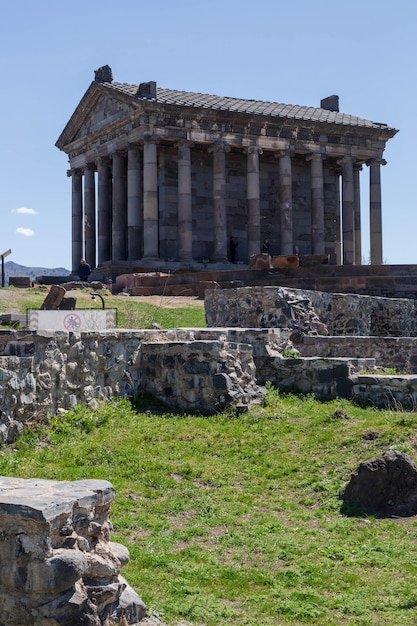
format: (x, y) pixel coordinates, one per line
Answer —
(163, 178)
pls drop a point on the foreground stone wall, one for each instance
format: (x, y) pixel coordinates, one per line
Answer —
(341, 314)
(58, 566)
(219, 373)
(43, 373)
(203, 370)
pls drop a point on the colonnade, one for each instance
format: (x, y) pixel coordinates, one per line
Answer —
(127, 226)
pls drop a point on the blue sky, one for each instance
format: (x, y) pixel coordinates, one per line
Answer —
(364, 51)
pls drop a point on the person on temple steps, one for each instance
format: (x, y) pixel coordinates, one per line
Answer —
(265, 246)
(233, 244)
(84, 270)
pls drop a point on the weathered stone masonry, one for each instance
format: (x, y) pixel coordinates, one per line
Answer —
(163, 178)
(207, 370)
(342, 314)
(57, 563)
(189, 369)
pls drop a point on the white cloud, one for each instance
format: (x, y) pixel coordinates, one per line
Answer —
(25, 211)
(27, 232)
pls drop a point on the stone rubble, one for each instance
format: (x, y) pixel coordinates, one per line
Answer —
(58, 566)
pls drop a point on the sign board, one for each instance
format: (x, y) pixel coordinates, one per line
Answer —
(77, 320)
(2, 256)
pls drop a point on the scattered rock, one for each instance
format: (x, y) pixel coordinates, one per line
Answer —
(385, 486)
(371, 435)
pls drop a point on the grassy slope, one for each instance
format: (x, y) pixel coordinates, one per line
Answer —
(130, 312)
(235, 520)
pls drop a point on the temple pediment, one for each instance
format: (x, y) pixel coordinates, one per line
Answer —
(98, 110)
(105, 112)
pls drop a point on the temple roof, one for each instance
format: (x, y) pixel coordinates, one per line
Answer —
(253, 107)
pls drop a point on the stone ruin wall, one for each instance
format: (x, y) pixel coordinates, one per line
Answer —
(191, 370)
(342, 314)
(204, 370)
(207, 370)
(57, 563)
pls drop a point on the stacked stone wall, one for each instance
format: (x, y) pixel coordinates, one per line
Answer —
(342, 314)
(206, 370)
(204, 376)
(57, 563)
(399, 353)
(42, 373)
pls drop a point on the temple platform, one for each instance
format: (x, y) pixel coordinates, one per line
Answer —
(392, 281)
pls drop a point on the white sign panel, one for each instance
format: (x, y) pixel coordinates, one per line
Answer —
(77, 320)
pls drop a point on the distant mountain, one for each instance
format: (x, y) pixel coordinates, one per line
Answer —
(13, 269)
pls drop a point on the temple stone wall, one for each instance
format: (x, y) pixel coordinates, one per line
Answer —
(236, 186)
(57, 564)
(202, 205)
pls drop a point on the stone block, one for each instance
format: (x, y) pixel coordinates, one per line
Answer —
(42, 582)
(291, 260)
(20, 281)
(260, 262)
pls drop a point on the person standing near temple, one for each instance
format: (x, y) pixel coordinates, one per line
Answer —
(84, 270)
(233, 244)
(265, 246)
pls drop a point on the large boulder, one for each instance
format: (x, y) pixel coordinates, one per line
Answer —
(385, 486)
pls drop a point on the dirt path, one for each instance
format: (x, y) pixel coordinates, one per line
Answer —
(170, 302)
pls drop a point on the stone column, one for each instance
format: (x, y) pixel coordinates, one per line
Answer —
(119, 217)
(185, 222)
(337, 217)
(219, 201)
(347, 212)
(90, 214)
(375, 210)
(77, 218)
(134, 204)
(357, 213)
(104, 210)
(285, 201)
(150, 198)
(317, 204)
(253, 200)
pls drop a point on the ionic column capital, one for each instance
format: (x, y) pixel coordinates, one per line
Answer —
(219, 146)
(253, 150)
(150, 137)
(373, 162)
(76, 171)
(315, 156)
(90, 167)
(103, 160)
(134, 145)
(288, 152)
(184, 143)
(345, 160)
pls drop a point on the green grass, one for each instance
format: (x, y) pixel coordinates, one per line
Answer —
(130, 312)
(133, 314)
(236, 520)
